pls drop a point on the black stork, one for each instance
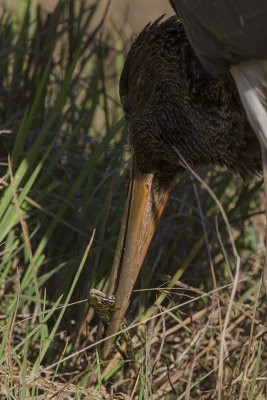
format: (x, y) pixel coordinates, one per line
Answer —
(172, 102)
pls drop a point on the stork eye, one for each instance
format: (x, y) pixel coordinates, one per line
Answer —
(126, 105)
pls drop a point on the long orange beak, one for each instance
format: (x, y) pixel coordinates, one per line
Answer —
(144, 206)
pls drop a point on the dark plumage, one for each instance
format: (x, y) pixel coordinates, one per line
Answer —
(231, 36)
(171, 100)
(225, 33)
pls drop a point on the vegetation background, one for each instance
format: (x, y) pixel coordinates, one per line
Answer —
(64, 163)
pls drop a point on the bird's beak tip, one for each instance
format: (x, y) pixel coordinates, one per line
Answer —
(145, 203)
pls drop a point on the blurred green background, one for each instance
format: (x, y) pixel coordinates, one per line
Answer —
(64, 164)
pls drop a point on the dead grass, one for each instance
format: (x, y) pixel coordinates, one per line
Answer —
(198, 327)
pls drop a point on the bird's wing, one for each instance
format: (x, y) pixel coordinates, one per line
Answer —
(251, 81)
(225, 33)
